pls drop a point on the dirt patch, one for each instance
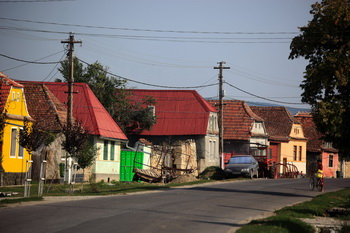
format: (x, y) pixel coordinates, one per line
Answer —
(184, 179)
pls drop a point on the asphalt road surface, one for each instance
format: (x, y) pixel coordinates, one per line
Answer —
(219, 207)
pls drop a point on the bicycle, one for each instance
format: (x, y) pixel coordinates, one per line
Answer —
(315, 182)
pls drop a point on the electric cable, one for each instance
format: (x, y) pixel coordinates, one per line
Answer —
(153, 85)
(260, 97)
(32, 62)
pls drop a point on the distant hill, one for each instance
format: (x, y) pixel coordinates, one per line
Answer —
(292, 110)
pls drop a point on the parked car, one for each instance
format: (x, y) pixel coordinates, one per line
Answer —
(242, 165)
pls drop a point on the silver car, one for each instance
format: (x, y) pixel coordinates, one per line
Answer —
(242, 165)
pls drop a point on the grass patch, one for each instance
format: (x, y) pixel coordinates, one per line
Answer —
(19, 200)
(277, 224)
(288, 219)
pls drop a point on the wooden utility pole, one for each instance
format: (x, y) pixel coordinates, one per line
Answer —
(220, 114)
(70, 43)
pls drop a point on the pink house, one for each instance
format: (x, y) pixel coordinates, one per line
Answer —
(318, 148)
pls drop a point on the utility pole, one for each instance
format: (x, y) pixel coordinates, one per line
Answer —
(220, 114)
(70, 46)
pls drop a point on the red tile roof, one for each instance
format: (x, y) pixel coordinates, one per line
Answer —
(278, 122)
(238, 119)
(44, 107)
(5, 86)
(314, 143)
(87, 109)
(178, 112)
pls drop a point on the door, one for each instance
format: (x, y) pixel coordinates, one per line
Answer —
(128, 161)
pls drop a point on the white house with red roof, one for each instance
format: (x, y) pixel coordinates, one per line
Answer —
(183, 115)
(106, 134)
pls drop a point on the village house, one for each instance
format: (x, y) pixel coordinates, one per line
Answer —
(318, 148)
(244, 131)
(106, 135)
(50, 115)
(286, 138)
(182, 115)
(15, 160)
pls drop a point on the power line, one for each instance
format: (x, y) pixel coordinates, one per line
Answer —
(165, 38)
(32, 62)
(148, 84)
(260, 97)
(29, 63)
(152, 30)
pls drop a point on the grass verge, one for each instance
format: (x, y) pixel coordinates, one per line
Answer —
(288, 219)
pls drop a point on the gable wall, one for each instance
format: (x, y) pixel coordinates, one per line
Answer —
(16, 107)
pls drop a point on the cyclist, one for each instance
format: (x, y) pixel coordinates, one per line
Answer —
(319, 173)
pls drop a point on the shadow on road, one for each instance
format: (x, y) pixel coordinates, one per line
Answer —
(271, 193)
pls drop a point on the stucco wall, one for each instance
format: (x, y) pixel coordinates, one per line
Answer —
(106, 169)
(327, 170)
(287, 152)
(16, 107)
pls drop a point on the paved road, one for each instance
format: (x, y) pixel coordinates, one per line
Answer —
(208, 208)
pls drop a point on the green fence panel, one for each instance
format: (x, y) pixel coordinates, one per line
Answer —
(128, 161)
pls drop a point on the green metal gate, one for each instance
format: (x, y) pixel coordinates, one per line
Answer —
(128, 161)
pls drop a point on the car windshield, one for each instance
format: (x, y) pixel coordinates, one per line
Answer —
(240, 160)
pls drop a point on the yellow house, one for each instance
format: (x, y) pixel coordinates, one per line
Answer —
(286, 138)
(13, 111)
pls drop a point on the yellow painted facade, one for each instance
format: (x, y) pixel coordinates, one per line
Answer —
(14, 157)
(294, 152)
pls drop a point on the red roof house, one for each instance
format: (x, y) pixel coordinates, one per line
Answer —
(181, 115)
(179, 112)
(244, 131)
(90, 112)
(286, 137)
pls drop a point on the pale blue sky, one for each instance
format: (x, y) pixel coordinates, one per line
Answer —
(163, 42)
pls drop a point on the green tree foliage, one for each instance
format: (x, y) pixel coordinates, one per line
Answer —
(134, 117)
(76, 138)
(86, 157)
(96, 76)
(325, 43)
(110, 91)
(32, 136)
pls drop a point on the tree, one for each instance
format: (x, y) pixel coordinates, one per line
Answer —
(96, 76)
(134, 117)
(76, 137)
(325, 43)
(77, 145)
(32, 136)
(86, 157)
(110, 91)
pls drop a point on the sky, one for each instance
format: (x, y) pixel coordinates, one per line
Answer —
(163, 44)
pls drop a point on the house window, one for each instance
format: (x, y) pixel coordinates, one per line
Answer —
(300, 153)
(13, 142)
(21, 149)
(330, 162)
(212, 149)
(112, 150)
(152, 109)
(105, 150)
(295, 148)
